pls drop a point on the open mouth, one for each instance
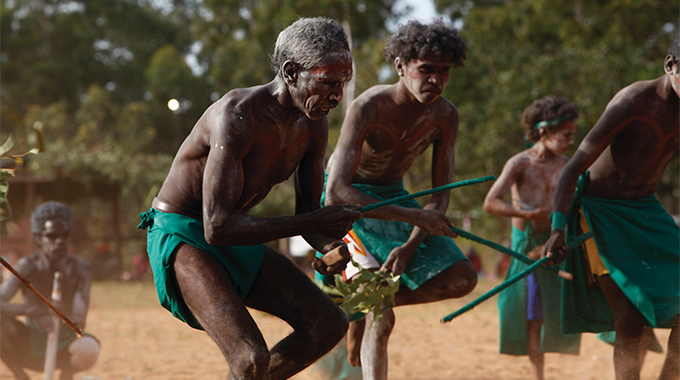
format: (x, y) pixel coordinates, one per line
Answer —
(324, 110)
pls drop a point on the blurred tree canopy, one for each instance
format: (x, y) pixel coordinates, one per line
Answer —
(98, 75)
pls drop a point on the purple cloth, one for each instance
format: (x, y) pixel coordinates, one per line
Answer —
(534, 311)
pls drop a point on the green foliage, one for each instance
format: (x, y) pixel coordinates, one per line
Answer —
(99, 74)
(371, 291)
(7, 172)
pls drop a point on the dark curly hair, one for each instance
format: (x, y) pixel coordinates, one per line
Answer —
(49, 211)
(547, 109)
(415, 40)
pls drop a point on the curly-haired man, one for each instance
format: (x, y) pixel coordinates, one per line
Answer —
(529, 312)
(385, 130)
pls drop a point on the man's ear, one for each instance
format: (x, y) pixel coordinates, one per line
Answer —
(290, 72)
(669, 64)
(399, 65)
(36, 239)
(542, 131)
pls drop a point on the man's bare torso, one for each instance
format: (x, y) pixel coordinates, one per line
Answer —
(393, 136)
(535, 184)
(75, 279)
(270, 150)
(644, 144)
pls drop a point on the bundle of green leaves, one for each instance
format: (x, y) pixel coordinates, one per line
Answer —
(370, 291)
(17, 161)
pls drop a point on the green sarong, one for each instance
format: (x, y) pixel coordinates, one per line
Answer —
(165, 232)
(38, 339)
(380, 237)
(512, 304)
(639, 243)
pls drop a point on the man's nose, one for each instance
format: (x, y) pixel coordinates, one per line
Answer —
(336, 95)
(436, 79)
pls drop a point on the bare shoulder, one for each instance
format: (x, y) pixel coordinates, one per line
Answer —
(369, 104)
(518, 161)
(78, 263)
(635, 97)
(237, 104)
(232, 115)
(27, 264)
(445, 106)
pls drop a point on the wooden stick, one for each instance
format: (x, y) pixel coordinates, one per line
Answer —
(507, 251)
(439, 189)
(53, 335)
(574, 243)
(45, 300)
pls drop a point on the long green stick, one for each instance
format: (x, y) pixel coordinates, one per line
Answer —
(574, 243)
(439, 189)
(507, 251)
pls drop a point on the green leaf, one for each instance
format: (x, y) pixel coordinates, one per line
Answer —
(6, 147)
(370, 291)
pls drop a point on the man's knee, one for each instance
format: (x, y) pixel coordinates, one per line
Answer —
(463, 279)
(383, 326)
(252, 363)
(629, 323)
(13, 340)
(328, 332)
(84, 353)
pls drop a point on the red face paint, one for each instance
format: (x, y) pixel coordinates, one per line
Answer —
(323, 85)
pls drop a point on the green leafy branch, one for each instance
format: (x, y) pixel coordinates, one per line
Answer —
(6, 173)
(370, 291)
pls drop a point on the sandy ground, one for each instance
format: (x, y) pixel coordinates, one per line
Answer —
(142, 341)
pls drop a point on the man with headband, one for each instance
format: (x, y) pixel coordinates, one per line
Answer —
(632, 264)
(529, 310)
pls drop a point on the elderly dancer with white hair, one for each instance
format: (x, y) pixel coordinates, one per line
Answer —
(207, 253)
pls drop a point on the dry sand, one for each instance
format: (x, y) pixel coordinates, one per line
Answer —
(142, 341)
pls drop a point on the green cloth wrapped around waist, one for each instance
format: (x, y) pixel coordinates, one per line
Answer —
(38, 339)
(380, 237)
(512, 304)
(166, 231)
(638, 242)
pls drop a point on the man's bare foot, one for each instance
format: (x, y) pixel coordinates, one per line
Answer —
(354, 336)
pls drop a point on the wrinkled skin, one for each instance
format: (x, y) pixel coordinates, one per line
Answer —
(38, 269)
(531, 177)
(242, 146)
(385, 130)
(626, 153)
